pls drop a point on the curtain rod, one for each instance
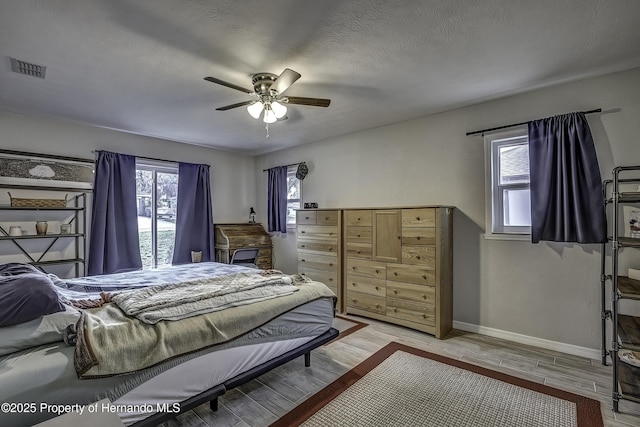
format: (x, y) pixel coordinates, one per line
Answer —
(475, 132)
(142, 157)
(292, 164)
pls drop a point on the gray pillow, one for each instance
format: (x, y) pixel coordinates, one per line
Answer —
(43, 330)
(26, 296)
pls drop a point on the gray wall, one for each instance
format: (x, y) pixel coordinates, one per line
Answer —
(232, 175)
(545, 293)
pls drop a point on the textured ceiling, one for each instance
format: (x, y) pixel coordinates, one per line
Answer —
(138, 65)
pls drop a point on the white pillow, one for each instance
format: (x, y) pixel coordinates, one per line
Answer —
(43, 330)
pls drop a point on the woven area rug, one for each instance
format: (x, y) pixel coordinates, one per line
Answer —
(404, 386)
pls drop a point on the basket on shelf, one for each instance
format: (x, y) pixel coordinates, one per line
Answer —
(37, 203)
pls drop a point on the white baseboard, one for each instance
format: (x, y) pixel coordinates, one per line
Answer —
(575, 350)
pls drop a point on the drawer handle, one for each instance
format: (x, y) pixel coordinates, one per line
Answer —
(377, 288)
(395, 310)
(303, 232)
(377, 305)
(354, 284)
(306, 217)
(358, 219)
(331, 280)
(355, 301)
(424, 316)
(418, 238)
(424, 276)
(377, 271)
(418, 257)
(302, 260)
(395, 273)
(358, 235)
(330, 249)
(395, 291)
(358, 252)
(326, 218)
(417, 218)
(353, 268)
(330, 264)
(302, 246)
(424, 296)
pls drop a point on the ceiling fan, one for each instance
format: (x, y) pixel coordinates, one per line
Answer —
(267, 92)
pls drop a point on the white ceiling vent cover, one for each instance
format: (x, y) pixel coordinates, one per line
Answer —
(27, 68)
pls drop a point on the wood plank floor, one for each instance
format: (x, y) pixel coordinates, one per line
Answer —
(265, 399)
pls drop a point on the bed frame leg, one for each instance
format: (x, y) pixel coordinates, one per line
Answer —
(213, 404)
(307, 359)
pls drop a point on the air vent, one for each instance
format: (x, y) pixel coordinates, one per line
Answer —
(27, 68)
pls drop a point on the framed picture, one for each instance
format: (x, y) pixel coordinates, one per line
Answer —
(41, 170)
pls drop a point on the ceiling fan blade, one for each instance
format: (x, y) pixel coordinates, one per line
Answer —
(313, 102)
(284, 80)
(239, 104)
(227, 84)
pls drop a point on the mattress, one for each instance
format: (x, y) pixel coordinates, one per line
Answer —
(45, 374)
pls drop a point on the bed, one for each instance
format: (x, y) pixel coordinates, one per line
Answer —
(193, 371)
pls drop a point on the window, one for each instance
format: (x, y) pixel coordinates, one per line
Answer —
(508, 194)
(294, 195)
(157, 192)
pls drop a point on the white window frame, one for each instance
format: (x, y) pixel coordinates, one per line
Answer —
(495, 228)
(155, 167)
(291, 174)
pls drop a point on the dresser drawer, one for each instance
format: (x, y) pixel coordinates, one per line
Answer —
(425, 217)
(330, 247)
(417, 274)
(418, 313)
(410, 292)
(359, 250)
(366, 302)
(358, 267)
(329, 278)
(418, 236)
(317, 262)
(327, 218)
(366, 285)
(317, 232)
(306, 217)
(358, 217)
(359, 234)
(419, 255)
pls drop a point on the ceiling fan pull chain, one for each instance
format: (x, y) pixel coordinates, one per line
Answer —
(266, 126)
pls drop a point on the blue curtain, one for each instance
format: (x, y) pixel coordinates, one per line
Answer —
(277, 202)
(194, 214)
(567, 204)
(114, 244)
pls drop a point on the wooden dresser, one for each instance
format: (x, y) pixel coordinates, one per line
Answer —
(398, 266)
(319, 243)
(229, 237)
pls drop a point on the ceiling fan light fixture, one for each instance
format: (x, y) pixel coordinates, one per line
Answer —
(278, 109)
(255, 109)
(269, 115)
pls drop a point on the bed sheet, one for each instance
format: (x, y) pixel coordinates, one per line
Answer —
(45, 374)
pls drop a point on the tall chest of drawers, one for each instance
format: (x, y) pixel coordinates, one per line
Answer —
(398, 266)
(319, 247)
